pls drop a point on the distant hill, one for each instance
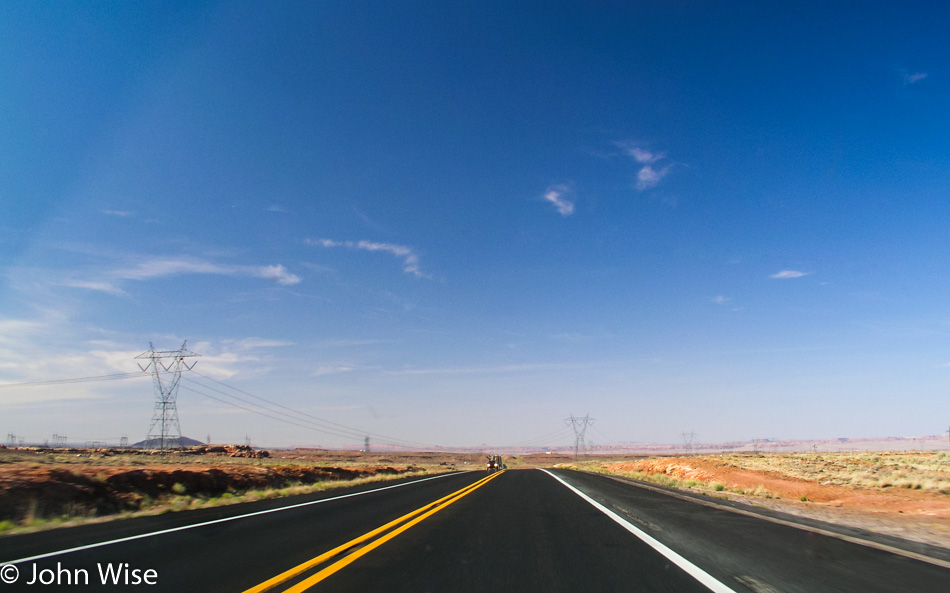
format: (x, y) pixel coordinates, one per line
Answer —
(169, 443)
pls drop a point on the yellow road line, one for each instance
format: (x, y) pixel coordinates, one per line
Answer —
(305, 566)
(336, 566)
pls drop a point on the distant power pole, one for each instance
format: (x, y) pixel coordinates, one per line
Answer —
(688, 441)
(123, 442)
(366, 444)
(165, 427)
(580, 427)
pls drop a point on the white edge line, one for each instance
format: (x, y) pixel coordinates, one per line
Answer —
(224, 520)
(694, 571)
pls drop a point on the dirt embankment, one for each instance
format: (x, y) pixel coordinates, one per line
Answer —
(28, 493)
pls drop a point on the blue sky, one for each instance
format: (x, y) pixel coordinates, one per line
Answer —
(459, 223)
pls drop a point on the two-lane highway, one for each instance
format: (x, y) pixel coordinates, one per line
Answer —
(523, 530)
(226, 548)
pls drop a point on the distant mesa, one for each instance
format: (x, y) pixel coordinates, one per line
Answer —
(171, 443)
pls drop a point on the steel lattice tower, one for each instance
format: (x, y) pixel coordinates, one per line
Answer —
(165, 428)
(580, 428)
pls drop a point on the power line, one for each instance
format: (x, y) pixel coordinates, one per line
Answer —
(317, 424)
(606, 438)
(356, 432)
(309, 425)
(258, 412)
(113, 377)
(299, 418)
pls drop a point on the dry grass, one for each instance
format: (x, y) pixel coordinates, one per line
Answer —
(870, 471)
(34, 512)
(182, 502)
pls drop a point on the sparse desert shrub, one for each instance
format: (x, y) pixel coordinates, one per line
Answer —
(719, 487)
(179, 488)
(803, 498)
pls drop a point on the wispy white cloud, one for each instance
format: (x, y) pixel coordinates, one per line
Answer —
(648, 177)
(556, 195)
(275, 208)
(512, 368)
(120, 213)
(410, 259)
(254, 343)
(157, 268)
(787, 274)
(915, 77)
(96, 285)
(332, 370)
(721, 300)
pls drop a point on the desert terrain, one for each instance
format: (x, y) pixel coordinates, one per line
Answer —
(903, 494)
(42, 488)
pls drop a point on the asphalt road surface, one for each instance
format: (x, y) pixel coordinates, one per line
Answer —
(520, 530)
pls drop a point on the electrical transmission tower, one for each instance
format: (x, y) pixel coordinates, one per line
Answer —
(165, 428)
(580, 427)
(688, 438)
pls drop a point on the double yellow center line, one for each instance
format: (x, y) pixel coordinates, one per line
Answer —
(389, 531)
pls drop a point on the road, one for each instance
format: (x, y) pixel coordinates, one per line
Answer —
(518, 530)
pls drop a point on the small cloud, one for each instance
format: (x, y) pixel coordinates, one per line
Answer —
(649, 177)
(650, 174)
(120, 213)
(254, 343)
(275, 208)
(278, 273)
(915, 77)
(96, 286)
(175, 267)
(331, 370)
(555, 194)
(409, 257)
(410, 260)
(721, 300)
(786, 274)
